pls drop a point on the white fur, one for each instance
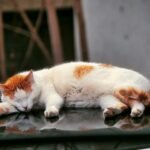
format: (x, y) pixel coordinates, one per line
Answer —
(58, 86)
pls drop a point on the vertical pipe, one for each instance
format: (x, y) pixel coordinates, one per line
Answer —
(82, 31)
(54, 31)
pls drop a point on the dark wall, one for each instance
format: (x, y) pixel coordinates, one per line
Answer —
(16, 44)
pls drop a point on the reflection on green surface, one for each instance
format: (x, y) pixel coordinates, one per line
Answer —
(70, 120)
(74, 123)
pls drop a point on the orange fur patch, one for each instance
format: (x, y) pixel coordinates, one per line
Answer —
(15, 129)
(106, 65)
(17, 81)
(82, 70)
(130, 95)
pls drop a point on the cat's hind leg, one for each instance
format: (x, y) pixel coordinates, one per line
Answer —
(111, 105)
(137, 109)
(134, 99)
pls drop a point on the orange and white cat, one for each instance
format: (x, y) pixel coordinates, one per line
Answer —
(77, 84)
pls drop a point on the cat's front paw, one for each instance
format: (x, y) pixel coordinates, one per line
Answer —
(51, 112)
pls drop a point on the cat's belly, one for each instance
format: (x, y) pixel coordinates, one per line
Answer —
(81, 97)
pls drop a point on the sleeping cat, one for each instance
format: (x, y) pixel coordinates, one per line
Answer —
(77, 84)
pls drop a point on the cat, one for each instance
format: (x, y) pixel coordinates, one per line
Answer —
(77, 84)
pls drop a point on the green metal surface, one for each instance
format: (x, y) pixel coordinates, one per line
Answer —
(74, 129)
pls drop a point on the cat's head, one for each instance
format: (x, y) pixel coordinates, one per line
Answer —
(17, 91)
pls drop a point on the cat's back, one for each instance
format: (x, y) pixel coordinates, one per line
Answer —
(73, 70)
(81, 70)
(85, 72)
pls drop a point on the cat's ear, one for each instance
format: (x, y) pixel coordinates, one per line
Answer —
(30, 77)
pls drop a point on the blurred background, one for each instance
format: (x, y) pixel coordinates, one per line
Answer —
(41, 33)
